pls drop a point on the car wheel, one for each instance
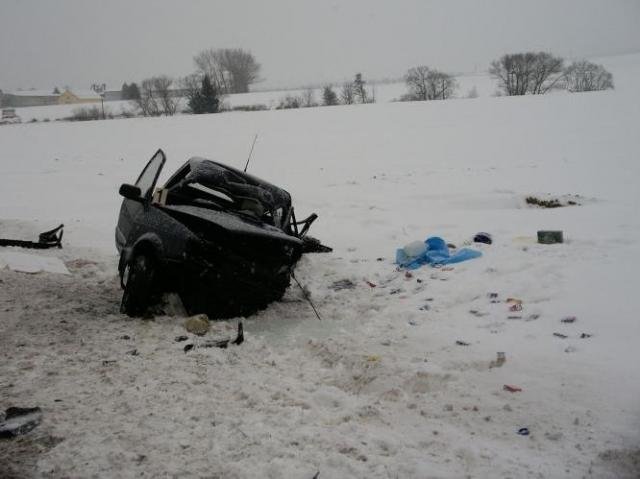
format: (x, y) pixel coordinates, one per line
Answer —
(139, 280)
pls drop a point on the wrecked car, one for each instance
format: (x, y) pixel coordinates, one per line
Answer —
(225, 241)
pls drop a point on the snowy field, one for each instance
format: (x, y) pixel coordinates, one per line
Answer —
(378, 388)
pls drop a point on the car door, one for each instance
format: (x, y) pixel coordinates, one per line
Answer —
(132, 210)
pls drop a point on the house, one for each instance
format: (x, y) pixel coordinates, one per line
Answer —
(68, 97)
(34, 97)
(24, 98)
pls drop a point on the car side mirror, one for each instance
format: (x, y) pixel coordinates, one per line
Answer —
(131, 192)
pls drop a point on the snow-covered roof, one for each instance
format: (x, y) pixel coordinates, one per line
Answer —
(31, 93)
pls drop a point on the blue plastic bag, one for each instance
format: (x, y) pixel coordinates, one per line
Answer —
(437, 253)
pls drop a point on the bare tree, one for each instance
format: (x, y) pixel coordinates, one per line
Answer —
(309, 98)
(547, 72)
(427, 84)
(147, 102)
(167, 98)
(207, 63)
(441, 86)
(527, 73)
(587, 76)
(416, 80)
(346, 93)
(156, 97)
(231, 70)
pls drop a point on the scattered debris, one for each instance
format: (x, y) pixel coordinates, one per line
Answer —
(560, 335)
(550, 237)
(220, 343)
(551, 202)
(107, 362)
(501, 358)
(126, 337)
(48, 239)
(483, 238)
(568, 319)
(16, 421)
(408, 274)
(570, 349)
(198, 324)
(511, 388)
(515, 307)
(462, 343)
(523, 431)
(514, 316)
(492, 295)
(179, 339)
(133, 352)
(432, 251)
(373, 285)
(585, 336)
(514, 301)
(533, 317)
(342, 284)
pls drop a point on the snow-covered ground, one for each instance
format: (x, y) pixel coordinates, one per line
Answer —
(378, 388)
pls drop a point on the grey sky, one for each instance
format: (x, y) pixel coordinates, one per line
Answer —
(75, 42)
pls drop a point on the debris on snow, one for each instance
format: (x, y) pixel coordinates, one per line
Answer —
(31, 263)
(16, 421)
(511, 388)
(198, 324)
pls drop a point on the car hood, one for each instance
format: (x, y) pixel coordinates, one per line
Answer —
(230, 222)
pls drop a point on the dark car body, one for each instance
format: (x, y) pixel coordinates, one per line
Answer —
(225, 240)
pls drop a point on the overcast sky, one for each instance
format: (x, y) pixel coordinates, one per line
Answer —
(44, 43)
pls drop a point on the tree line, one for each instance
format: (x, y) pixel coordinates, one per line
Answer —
(218, 72)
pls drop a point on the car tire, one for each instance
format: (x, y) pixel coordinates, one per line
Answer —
(138, 285)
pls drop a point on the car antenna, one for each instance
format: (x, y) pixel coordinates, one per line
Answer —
(305, 293)
(251, 152)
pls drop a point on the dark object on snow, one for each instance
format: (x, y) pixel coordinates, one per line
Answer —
(549, 237)
(482, 238)
(585, 335)
(225, 241)
(306, 295)
(462, 343)
(523, 431)
(240, 336)
(512, 389)
(48, 239)
(342, 284)
(220, 343)
(568, 319)
(551, 203)
(179, 339)
(560, 335)
(313, 245)
(19, 420)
